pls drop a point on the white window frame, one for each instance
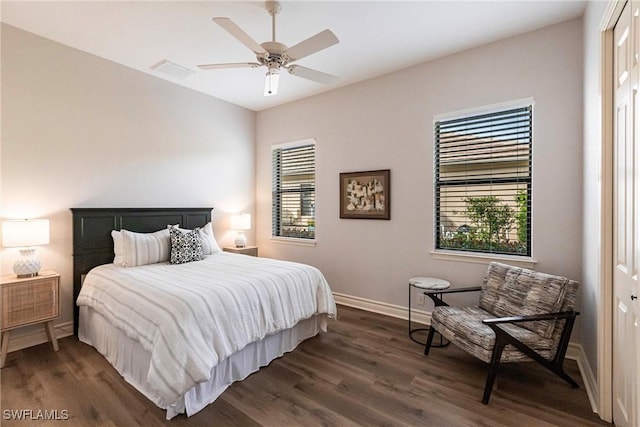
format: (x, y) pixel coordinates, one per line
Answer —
(286, 239)
(482, 257)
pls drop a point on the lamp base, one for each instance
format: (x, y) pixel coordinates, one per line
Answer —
(241, 240)
(28, 265)
(26, 276)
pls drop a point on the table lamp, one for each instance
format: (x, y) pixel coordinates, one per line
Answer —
(23, 234)
(240, 223)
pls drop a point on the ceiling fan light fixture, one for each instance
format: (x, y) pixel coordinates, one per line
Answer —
(275, 55)
(271, 82)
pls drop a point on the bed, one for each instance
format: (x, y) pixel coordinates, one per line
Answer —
(182, 333)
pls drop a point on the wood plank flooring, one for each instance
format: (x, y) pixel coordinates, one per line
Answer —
(364, 372)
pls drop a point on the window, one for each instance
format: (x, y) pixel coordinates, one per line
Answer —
(483, 182)
(294, 190)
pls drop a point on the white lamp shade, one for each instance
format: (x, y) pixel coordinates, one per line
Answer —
(25, 232)
(241, 221)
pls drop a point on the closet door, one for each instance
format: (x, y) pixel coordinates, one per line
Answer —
(626, 212)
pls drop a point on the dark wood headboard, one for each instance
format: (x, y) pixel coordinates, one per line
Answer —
(92, 242)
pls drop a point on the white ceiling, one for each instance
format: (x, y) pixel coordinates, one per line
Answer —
(376, 37)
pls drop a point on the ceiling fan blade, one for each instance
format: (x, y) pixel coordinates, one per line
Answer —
(311, 45)
(229, 65)
(315, 75)
(239, 34)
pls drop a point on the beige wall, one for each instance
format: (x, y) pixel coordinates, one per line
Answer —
(387, 123)
(80, 131)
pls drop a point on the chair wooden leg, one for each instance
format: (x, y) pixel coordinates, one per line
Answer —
(556, 365)
(559, 371)
(493, 369)
(427, 346)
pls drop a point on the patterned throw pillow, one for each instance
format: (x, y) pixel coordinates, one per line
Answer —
(185, 247)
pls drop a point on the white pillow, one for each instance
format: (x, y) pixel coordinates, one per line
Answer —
(209, 243)
(206, 232)
(118, 248)
(146, 248)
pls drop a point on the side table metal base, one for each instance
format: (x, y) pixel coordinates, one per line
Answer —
(443, 342)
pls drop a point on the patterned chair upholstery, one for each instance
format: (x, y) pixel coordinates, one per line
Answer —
(521, 315)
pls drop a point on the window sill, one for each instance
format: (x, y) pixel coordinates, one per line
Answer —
(293, 241)
(526, 262)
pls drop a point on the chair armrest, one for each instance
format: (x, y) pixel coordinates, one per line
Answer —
(503, 337)
(435, 294)
(531, 318)
(452, 291)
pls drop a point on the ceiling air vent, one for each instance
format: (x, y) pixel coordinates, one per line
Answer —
(173, 70)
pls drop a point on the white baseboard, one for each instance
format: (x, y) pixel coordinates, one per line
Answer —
(574, 351)
(18, 340)
(391, 310)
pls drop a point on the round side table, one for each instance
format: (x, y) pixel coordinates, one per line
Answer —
(431, 284)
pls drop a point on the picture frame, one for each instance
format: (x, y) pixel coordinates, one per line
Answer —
(365, 195)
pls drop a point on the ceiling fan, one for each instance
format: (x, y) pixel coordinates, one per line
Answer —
(275, 56)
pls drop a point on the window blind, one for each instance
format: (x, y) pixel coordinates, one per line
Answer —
(483, 182)
(293, 191)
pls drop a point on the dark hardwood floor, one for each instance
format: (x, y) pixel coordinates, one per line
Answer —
(365, 371)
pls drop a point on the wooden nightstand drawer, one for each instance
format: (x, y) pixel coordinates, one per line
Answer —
(27, 301)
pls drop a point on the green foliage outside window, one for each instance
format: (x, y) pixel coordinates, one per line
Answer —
(491, 220)
(522, 216)
(491, 226)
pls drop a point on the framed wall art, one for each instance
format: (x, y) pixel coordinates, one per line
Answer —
(365, 195)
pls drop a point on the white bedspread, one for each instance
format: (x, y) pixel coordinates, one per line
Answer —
(192, 316)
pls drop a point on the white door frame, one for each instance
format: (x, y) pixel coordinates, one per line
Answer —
(605, 297)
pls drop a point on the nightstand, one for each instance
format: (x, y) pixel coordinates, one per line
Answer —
(247, 250)
(28, 302)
